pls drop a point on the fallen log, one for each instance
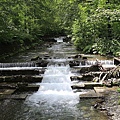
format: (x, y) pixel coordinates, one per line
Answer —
(112, 77)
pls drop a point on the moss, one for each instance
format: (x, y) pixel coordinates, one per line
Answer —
(118, 90)
(119, 102)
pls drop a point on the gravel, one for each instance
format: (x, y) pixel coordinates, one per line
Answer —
(112, 105)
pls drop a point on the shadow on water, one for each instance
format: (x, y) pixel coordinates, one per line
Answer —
(55, 99)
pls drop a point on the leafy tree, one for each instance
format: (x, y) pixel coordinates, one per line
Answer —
(97, 28)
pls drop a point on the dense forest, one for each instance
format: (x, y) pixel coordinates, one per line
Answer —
(94, 25)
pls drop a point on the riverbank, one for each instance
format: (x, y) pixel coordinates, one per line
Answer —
(112, 105)
(13, 48)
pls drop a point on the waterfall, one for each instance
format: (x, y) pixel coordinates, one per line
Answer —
(56, 86)
(103, 62)
(60, 39)
(24, 64)
(55, 98)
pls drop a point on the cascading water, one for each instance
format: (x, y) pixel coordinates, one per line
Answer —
(24, 64)
(103, 62)
(55, 96)
(56, 83)
(60, 39)
(55, 99)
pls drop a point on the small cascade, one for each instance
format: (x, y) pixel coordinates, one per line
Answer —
(103, 62)
(88, 63)
(60, 39)
(56, 83)
(55, 99)
(55, 96)
(25, 64)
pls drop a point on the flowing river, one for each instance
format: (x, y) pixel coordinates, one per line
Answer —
(55, 99)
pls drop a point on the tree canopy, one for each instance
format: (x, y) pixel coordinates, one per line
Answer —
(93, 24)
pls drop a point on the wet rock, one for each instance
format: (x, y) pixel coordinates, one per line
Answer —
(23, 87)
(84, 70)
(114, 73)
(87, 77)
(111, 82)
(74, 78)
(42, 63)
(8, 86)
(7, 91)
(116, 61)
(8, 72)
(91, 85)
(77, 56)
(91, 95)
(47, 55)
(111, 105)
(96, 67)
(96, 79)
(35, 58)
(21, 78)
(96, 105)
(115, 81)
(74, 63)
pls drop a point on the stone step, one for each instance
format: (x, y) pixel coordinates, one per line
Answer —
(105, 90)
(19, 97)
(21, 78)
(91, 85)
(15, 97)
(78, 86)
(5, 85)
(21, 71)
(90, 95)
(88, 85)
(116, 61)
(28, 88)
(7, 91)
(108, 66)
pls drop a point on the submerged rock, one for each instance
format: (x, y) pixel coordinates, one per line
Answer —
(42, 63)
(35, 58)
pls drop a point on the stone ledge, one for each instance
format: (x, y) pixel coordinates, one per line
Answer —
(15, 97)
(29, 88)
(21, 78)
(78, 86)
(88, 85)
(7, 91)
(104, 90)
(116, 61)
(91, 95)
(91, 85)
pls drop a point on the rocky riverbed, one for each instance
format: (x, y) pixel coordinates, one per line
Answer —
(111, 105)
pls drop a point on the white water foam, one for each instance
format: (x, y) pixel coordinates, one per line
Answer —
(55, 87)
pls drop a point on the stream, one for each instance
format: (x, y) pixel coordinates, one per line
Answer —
(55, 99)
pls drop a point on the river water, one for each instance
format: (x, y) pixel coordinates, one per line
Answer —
(55, 99)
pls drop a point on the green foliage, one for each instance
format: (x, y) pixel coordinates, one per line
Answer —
(94, 24)
(28, 18)
(118, 90)
(97, 28)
